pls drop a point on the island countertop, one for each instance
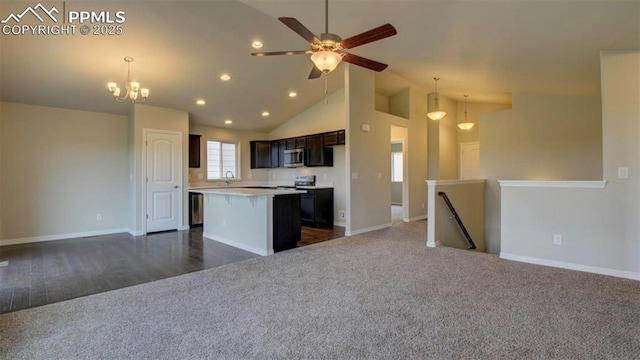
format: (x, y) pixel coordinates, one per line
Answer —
(248, 191)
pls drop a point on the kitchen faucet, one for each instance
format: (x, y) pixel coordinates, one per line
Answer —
(226, 177)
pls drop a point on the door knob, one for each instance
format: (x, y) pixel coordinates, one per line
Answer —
(175, 186)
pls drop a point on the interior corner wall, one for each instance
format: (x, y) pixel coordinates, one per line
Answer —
(620, 79)
(443, 141)
(65, 167)
(448, 140)
(369, 196)
(151, 117)
(543, 137)
(416, 150)
(1, 170)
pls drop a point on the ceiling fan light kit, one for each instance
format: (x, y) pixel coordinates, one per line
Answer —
(328, 50)
(133, 87)
(437, 114)
(466, 125)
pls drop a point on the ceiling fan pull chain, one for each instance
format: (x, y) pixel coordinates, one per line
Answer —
(326, 88)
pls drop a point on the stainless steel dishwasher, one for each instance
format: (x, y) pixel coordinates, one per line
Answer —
(195, 209)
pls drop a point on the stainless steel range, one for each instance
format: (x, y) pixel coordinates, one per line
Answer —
(304, 180)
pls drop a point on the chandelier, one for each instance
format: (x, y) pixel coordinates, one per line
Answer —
(466, 125)
(436, 114)
(133, 87)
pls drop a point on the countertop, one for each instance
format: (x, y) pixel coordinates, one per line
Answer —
(247, 191)
(265, 186)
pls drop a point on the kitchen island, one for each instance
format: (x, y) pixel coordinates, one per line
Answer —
(262, 221)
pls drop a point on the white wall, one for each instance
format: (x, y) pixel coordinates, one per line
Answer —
(151, 117)
(543, 137)
(65, 166)
(318, 118)
(198, 176)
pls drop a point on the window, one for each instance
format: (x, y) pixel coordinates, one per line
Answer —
(396, 166)
(221, 157)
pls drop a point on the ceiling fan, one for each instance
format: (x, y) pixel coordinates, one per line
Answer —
(328, 50)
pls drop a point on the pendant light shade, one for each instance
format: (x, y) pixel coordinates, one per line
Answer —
(466, 125)
(436, 114)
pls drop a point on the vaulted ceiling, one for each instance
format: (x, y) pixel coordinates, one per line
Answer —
(487, 49)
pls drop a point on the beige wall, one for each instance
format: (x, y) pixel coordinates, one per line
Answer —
(198, 176)
(320, 117)
(443, 141)
(543, 137)
(474, 110)
(156, 118)
(369, 195)
(620, 74)
(65, 167)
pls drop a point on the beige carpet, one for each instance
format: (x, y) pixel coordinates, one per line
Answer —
(381, 295)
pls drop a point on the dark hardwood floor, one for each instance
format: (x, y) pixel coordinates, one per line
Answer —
(48, 272)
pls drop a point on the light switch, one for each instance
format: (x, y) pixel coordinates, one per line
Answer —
(623, 172)
(354, 175)
(379, 175)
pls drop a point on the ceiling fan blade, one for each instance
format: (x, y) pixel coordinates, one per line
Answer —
(300, 29)
(366, 37)
(315, 73)
(364, 62)
(281, 53)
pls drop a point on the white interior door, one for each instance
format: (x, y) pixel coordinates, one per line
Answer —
(164, 180)
(470, 160)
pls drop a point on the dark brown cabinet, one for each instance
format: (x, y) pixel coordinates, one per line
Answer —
(260, 154)
(194, 151)
(316, 153)
(316, 208)
(334, 138)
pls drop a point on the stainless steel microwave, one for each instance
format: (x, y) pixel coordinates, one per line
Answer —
(294, 158)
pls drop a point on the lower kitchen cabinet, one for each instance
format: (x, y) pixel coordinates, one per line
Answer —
(316, 208)
(286, 222)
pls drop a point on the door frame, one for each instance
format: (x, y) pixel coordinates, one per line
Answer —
(180, 212)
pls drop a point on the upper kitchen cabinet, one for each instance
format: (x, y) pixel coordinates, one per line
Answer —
(317, 153)
(194, 151)
(261, 155)
(334, 138)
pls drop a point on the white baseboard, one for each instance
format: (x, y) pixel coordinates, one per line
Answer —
(571, 266)
(61, 236)
(135, 233)
(184, 227)
(416, 218)
(238, 245)
(339, 223)
(365, 230)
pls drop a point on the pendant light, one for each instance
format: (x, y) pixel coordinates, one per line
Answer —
(437, 114)
(466, 125)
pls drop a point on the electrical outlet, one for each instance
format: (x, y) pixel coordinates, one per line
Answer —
(354, 175)
(623, 173)
(423, 205)
(99, 217)
(200, 176)
(249, 176)
(341, 214)
(557, 239)
(379, 175)
(273, 176)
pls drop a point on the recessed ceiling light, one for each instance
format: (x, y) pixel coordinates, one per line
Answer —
(292, 94)
(256, 44)
(228, 122)
(200, 102)
(265, 113)
(225, 77)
